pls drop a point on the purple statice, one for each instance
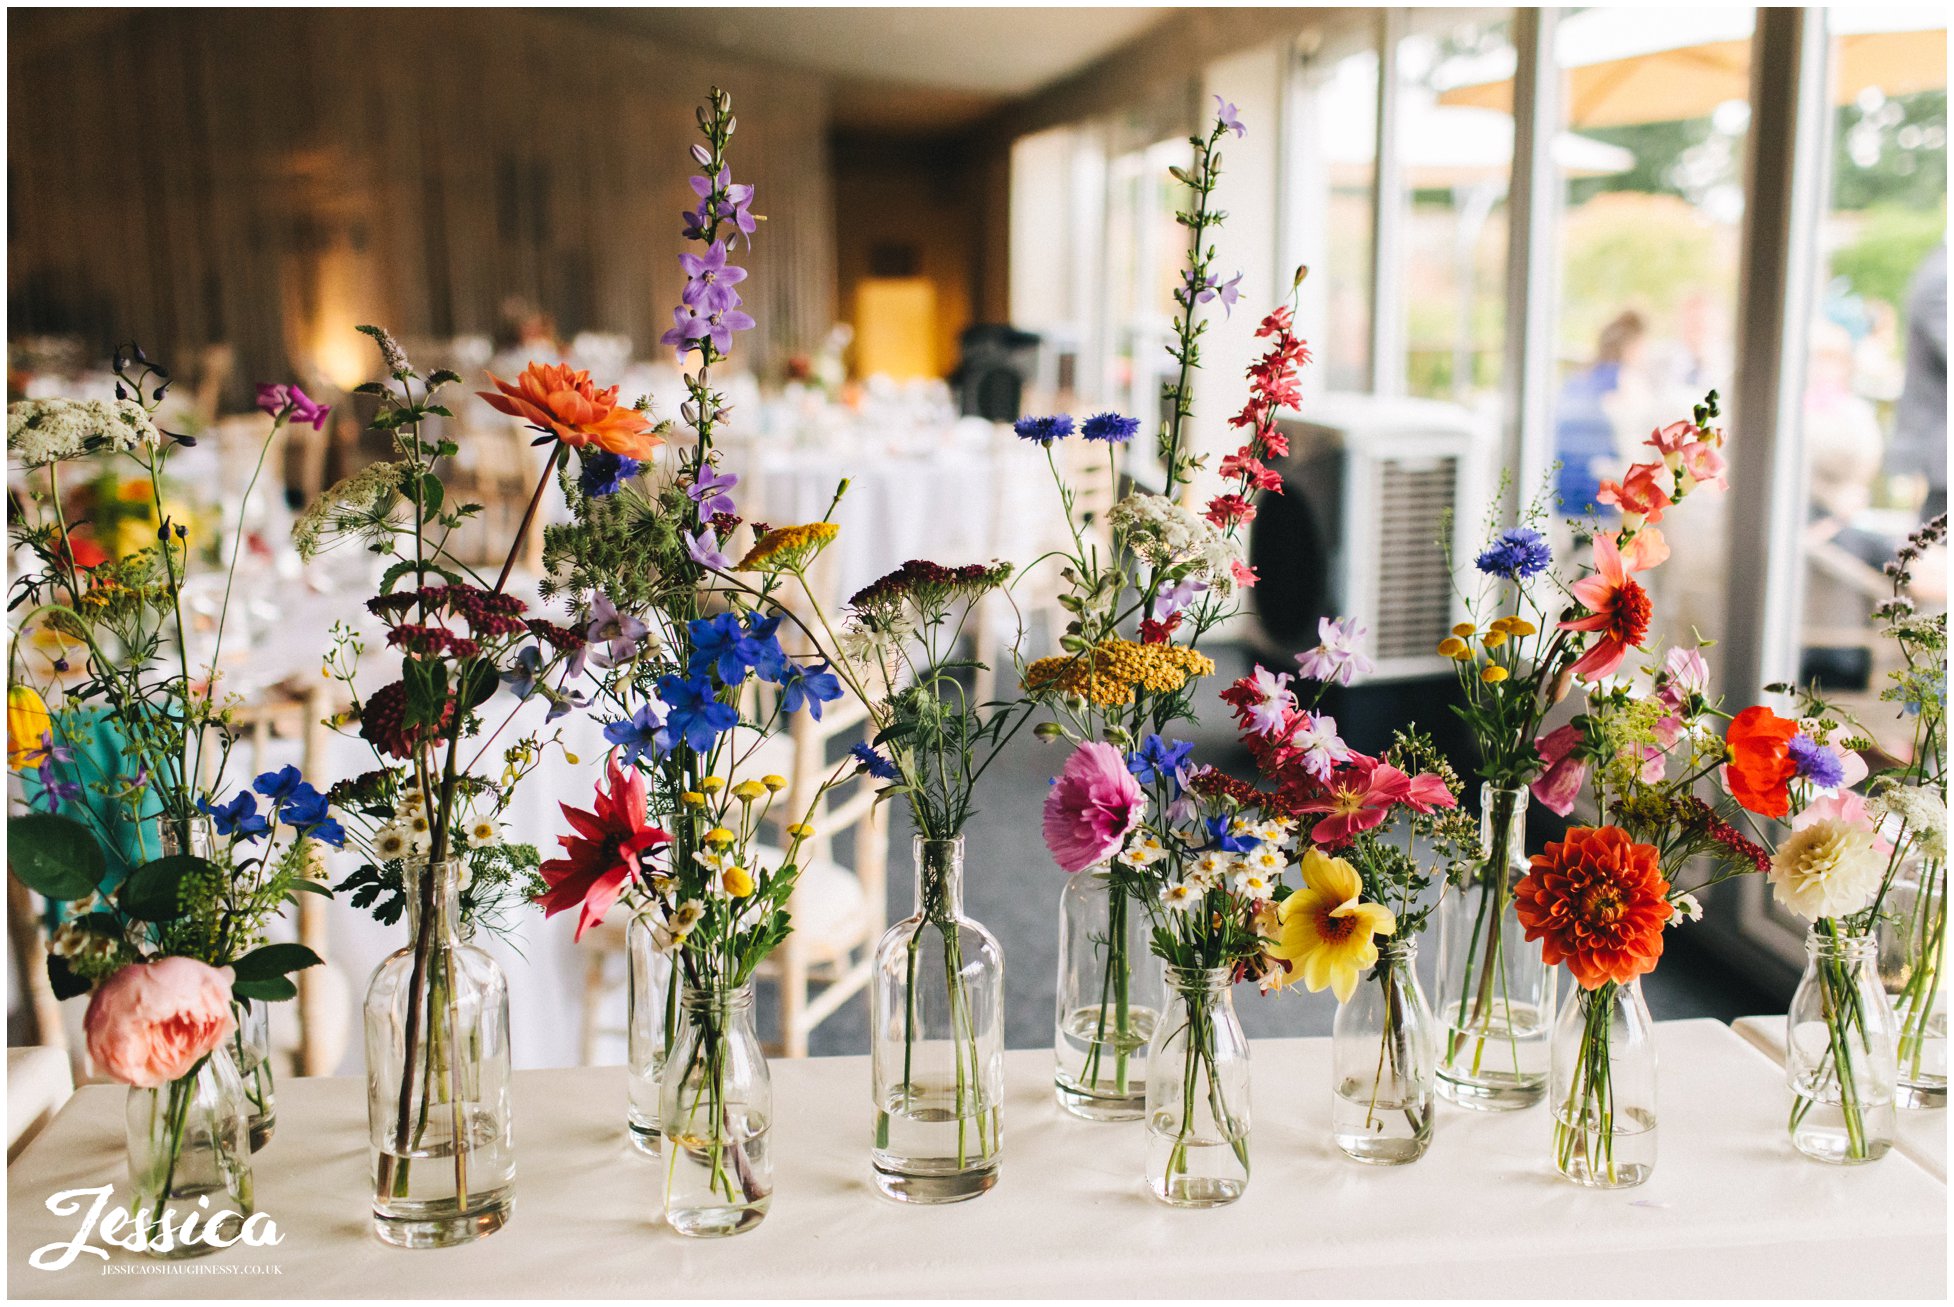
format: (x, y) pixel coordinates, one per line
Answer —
(1816, 763)
(1516, 553)
(709, 491)
(604, 472)
(1229, 117)
(1337, 657)
(703, 549)
(1043, 430)
(710, 280)
(1110, 427)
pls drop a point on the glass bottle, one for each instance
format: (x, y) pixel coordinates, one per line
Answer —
(1912, 947)
(1603, 1090)
(715, 1111)
(190, 1159)
(251, 1052)
(437, 1077)
(1197, 1093)
(1495, 994)
(1108, 1000)
(652, 1014)
(1841, 1052)
(936, 1016)
(1385, 1055)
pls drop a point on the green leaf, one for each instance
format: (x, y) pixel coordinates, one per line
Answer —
(274, 960)
(273, 989)
(54, 856)
(312, 887)
(154, 891)
(369, 388)
(432, 493)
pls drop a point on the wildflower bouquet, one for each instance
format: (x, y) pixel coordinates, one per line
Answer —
(1532, 633)
(165, 889)
(1129, 661)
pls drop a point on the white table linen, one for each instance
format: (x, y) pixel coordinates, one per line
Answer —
(1730, 1210)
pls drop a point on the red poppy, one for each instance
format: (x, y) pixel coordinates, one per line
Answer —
(1760, 769)
(608, 850)
(1597, 901)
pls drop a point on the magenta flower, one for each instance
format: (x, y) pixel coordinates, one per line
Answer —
(1093, 805)
(293, 403)
(1560, 784)
(1337, 657)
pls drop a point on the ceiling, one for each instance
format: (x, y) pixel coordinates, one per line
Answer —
(916, 70)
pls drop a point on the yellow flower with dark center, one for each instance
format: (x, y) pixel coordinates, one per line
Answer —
(1325, 932)
(787, 548)
(1112, 671)
(27, 721)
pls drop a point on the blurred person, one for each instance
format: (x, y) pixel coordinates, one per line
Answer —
(1919, 445)
(1584, 418)
(1843, 452)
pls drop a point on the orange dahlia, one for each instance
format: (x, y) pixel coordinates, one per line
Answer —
(1760, 769)
(1596, 901)
(563, 401)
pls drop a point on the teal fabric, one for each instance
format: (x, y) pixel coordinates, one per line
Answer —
(99, 749)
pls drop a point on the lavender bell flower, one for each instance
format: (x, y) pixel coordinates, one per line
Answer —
(735, 208)
(709, 491)
(689, 326)
(703, 549)
(1230, 291)
(620, 634)
(1227, 113)
(712, 279)
(1173, 598)
(724, 324)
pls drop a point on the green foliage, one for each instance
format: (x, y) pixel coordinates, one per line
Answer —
(154, 891)
(1892, 242)
(54, 856)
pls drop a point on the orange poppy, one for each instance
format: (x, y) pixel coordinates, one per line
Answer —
(563, 401)
(1760, 769)
(1597, 901)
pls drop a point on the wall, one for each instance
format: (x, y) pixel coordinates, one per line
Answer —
(270, 178)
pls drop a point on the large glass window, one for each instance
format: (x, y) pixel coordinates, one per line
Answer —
(1331, 151)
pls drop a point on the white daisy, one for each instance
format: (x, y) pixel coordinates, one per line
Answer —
(1211, 869)
(1143, 852)
(1266, 859)
(1180, 896)
(1252, 883)
(483, 833)
(390, 844)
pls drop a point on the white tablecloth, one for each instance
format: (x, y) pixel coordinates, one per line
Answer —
(1731, 1210)
(1923, 1133)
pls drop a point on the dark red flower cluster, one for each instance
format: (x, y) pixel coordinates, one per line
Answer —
(383, 722)
(431, 641)
(1152, 632)
(1699, 818)
(928, 584)
(567, 638)
(487, 612)
(1213, 783)
(724, 524)
(1272, 386)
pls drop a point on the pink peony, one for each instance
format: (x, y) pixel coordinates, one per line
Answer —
(1093, 805)
(150, 1022)
(1845, 807)
(1560, 784)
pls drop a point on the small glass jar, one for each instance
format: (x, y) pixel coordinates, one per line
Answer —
(1912, 949)
(1603, 1087)
(437, 1077)
(651, 1017)
(1197, 1093)
(1495, 994)
(1841, 1052)
(251, 1051)
(1108, 1000)
(715, 1112)
(936, 1014)
(190, 1160)
(1385, 1063)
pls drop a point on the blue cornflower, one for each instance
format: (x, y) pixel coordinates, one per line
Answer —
(692, 714)
(1218, 832)
(875, 764)
(1110, 427)
(1043, 430)
(237, 819)
(280, 785)
(1821, 766)
(636, 735)
(810, 687)
(1158, 758)
(1516, 554)
(603, 472)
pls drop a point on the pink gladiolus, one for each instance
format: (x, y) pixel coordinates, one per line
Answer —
(150, 1022)
(1093, 806)
(1560, 784)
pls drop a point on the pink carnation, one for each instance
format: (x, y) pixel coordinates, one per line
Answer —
(1093, 805)
(150, 1022)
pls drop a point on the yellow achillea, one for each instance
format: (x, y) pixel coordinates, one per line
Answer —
(1111, 671)
(787, 547)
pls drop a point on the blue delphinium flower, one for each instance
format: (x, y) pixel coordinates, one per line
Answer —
(636, 736)
(279, 786)
(1218, 832)
(875, 764)
(1816, 763)
(603, 472)
(1043, 430)
(1158, 758)
(692, 714)
(761, 648)
(523, 671)
(715, 648)
(810, 687)
(237, 819)
(1516, 554)
(1110, 427)
(307, 811)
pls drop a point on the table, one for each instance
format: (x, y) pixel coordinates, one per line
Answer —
(1731, 1209)
(1923, 1134)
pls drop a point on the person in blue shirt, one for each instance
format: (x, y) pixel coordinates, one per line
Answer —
(1584, 434)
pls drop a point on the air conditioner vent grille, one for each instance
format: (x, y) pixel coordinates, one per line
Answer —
(1414, 599)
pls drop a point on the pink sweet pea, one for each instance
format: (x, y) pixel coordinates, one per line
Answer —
(150, 1022)
(1669, 441)
(1560, 784)
(1093, 806)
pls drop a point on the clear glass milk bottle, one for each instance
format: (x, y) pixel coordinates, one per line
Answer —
(651, 1018)
(715, 1112)
(1841, 1052)
(251, 1051)
(1108, 999)
(1912, 953)
(936, 1013)
(1197, 1093)
(190, 1160)
(437, 1074)
(1603, 1087)
(1385, 1054)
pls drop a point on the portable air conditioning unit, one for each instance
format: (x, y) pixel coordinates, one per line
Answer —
(1370, 488)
